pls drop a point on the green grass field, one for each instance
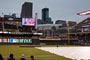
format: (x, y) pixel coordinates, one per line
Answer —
(5, 50)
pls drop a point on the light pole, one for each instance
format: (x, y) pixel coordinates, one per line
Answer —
(3, 24)
(68, 33)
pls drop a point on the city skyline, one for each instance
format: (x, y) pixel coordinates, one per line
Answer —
(59, 10)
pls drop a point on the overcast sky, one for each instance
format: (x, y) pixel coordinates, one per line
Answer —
(58, 9)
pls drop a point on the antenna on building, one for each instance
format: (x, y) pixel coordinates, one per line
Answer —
(2, 14)
(45, 3)
(9, 13)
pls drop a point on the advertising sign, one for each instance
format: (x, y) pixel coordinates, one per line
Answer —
(16, 40)
(0, 40)
(20, 40)
(13, 40)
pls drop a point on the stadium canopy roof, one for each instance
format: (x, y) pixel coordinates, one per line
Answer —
(84, 13)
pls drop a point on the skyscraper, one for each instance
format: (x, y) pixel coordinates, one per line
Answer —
(27, 10)
(45, 14)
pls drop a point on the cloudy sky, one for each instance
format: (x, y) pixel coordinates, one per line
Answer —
(58, 9)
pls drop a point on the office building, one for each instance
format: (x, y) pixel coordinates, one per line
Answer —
(10, 16)
(72, 23)
(61, 22)
(27, 10)
(45, 16)
(39, 21)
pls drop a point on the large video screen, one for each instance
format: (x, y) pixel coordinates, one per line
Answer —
(28, 21)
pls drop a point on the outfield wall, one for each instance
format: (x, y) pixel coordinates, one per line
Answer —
(59, 42)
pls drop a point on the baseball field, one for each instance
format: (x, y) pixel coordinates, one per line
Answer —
(5, 50)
